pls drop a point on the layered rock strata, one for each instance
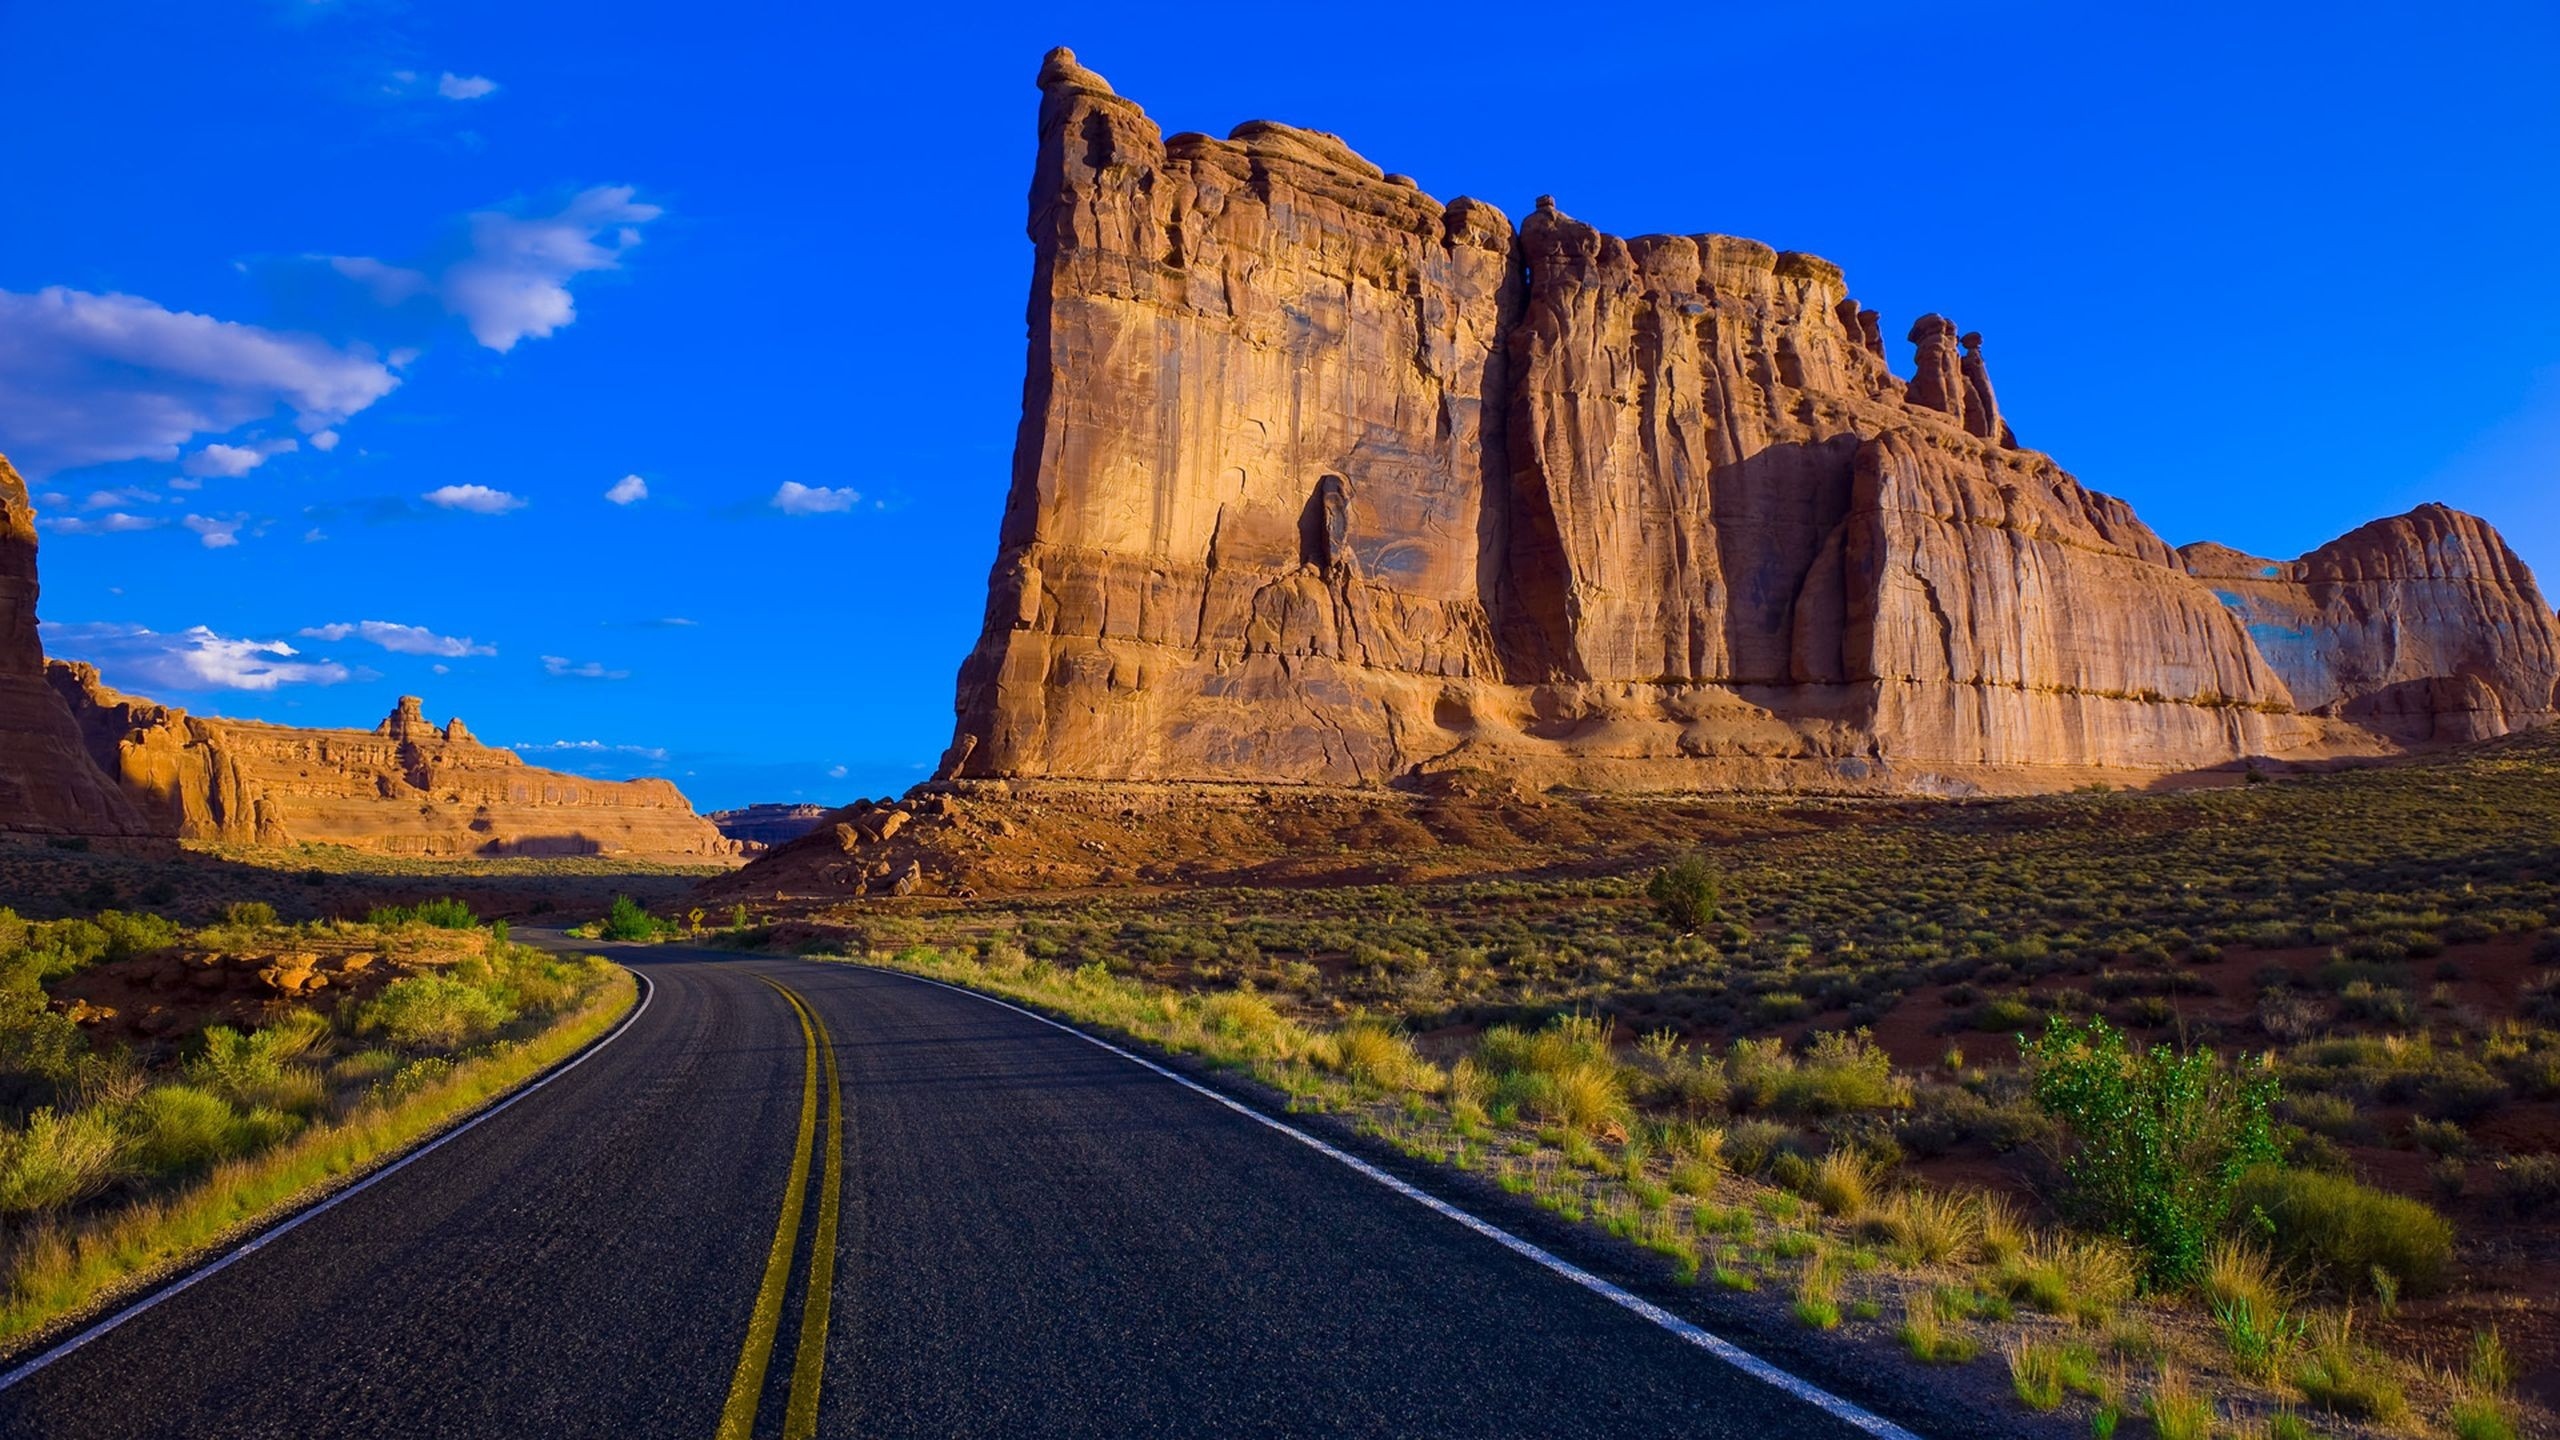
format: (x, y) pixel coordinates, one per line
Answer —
(405, 787)
(2424, 627)
(1320, 479)
(47, 785)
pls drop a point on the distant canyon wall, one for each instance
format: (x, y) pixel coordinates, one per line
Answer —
(405, 787)
(1320, 479)
(79, 759)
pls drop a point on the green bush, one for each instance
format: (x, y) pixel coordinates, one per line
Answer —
(179, 1128)
(444, 913)
(57, 1159)
(432, 1012)
(1687, 893)
(2158, 1141)
(2342, 1231)
(627, 921)
(249, 912)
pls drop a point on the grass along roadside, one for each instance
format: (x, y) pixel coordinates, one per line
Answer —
(64, 1271)
(2078, 1320)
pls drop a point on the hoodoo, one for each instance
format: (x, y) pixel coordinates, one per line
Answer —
(1320, 479)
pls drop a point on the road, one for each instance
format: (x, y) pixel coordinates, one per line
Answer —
(1029, 1235)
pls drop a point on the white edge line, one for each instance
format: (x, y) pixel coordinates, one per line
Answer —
(1716, 1345)
(266, 1237)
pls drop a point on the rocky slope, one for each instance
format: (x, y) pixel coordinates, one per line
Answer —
(47, 785)
(1322, 480)
(405, 787)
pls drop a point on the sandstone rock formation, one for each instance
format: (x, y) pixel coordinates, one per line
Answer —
(2423, 627)
(46, 783)
(405, 787)
(1320, 479)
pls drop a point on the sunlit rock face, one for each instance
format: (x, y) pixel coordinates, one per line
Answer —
(47, 785)
(1321, 479)
(405, 787)
(2422, 627)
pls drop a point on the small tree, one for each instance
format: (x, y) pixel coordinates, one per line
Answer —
(2157, 1140)
(1686, 893)
(627, 921)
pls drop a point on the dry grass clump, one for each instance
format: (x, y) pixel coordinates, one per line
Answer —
(2250, 1307)
(1924, 1333)
(2176, 1410)
(1843, 1184)
(2083, 1277)
(1371, 1052)
(1563, 1073)
(1927, 1227)
(2338, 1373)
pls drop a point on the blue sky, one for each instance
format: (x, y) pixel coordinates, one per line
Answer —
(336, 326)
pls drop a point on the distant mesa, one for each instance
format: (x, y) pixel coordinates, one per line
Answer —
(1322, 480)
(78, 758)
(765, 826)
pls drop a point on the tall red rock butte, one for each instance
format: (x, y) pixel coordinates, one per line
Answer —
(79, 759)
(1321, 479)
(46, 781)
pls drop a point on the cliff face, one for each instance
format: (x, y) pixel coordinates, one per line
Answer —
(46, 785)
(2422, 627)
(1320, 479)
(404, 787)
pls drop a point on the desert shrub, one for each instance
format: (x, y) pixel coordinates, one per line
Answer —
(1369, 1051)
(431, 1012)
(628, 921)
(2530, 1184)
(443, 913)
(2342, 1231)
(57, 1159)
(178, 1128)
(253, 913)
(1841, 1072)
(2158, 1140)
(1687, 893)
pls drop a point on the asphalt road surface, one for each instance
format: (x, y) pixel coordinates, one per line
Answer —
(1014, 1233)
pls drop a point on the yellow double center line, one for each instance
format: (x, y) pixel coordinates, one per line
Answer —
(809, 1361)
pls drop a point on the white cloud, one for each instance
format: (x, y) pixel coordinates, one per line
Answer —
(390, 284)
(233, 461)
(217, 533)
(794, 498)
(478, 499)
(465, 87)
(836, 772)
(400, 639)
(572, 670)
(512, 278)
(181, 482)
(115, 522)
(113, 499)
(314, 536)
(86, 379)
(628, 489)
(592, 747)
(324, 440)
(193, 659)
